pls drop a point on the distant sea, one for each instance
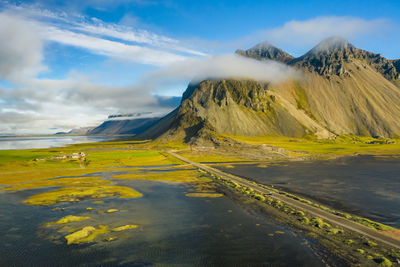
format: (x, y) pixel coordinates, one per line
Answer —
(29, 142)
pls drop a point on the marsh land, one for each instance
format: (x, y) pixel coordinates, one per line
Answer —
(131, 203)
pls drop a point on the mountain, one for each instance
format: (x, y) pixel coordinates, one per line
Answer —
(124, 124)
(331, 55)
(342, 90)
(266, 51)
(77, 131)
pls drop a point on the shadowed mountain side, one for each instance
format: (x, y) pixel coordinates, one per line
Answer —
(128, 126)
(162, 126)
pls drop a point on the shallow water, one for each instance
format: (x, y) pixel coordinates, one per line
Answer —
(365, 185)
(173, 229)
(31, 142)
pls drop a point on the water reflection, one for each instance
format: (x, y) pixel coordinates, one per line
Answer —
(173, 229)
(365, 185)
(47, 141)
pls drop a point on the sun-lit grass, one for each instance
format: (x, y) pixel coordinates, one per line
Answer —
(210, 156)
(17, 166)
(343, 145)
(185, 176)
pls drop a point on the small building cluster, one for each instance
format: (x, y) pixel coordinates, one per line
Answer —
(79, 155)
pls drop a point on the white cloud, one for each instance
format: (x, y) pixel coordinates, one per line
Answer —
(135, 45)
(128, 34)
(118, 50)
(308, 32)
(74, 102)
(20, 48)
(217, 67)
(34, 105)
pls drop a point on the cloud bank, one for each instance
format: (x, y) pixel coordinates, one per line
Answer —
(107, 39)
(20, 48)
(220, 67)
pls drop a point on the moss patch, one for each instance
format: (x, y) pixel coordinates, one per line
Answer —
(212, 195)
(75, 194)
(112, 210)
(69, 219)
(86, 234)
(124, 227)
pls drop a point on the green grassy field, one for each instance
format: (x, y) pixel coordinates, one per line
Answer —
(342, 145)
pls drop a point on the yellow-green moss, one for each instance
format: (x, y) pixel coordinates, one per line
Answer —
(74, 194)
(86, 234)
(335, 231)
(124, 227)
(348, 242)
(70, 218)
(371, 243)
(382, 261)
(359, 250)
(112, 210)
(212, 195)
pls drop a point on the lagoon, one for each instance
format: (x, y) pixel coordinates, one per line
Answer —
(33, 142)
(368, 186)
(173, 229)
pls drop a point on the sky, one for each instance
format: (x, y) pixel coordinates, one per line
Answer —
(70, 64)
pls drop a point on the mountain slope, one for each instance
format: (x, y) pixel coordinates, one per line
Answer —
(343, 90)
(127, 126)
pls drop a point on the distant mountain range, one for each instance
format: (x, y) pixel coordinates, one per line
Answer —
(343, 90)
(123, 126)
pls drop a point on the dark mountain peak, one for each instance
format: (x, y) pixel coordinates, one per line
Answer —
(264, 45)
(330, 57)
(266, 51)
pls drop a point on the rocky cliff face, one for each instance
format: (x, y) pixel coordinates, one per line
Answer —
(343, 90)
(329, 57)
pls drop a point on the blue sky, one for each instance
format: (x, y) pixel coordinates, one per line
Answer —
(95, 58)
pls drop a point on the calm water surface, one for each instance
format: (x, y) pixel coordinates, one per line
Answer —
(173, 229)
(365, 185)
(30, 142)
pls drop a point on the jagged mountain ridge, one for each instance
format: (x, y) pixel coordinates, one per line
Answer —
(327, 59)
(266, 51)
(344, 90)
